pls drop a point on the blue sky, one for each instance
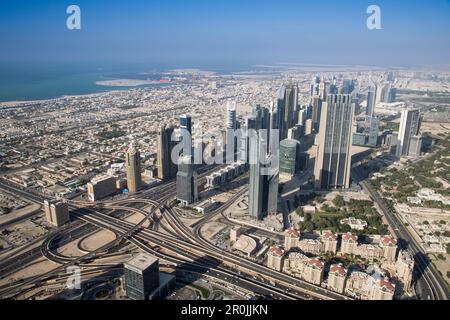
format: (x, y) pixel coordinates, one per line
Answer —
(202, 32)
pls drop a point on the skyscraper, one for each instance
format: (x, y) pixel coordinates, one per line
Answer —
(333, 161)
(187, 188)
(166, 166)
(186, 134)
(263, 184)
(371, 100)
(287, 103)
(133, 166)
(374, 128)
(409, 126)
(231, 115)
(316, 106)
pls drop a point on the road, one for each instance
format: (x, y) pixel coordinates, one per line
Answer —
(431, 284)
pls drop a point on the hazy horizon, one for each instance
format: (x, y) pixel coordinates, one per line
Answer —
(202, 33)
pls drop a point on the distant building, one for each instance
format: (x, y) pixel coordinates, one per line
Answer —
(409, 126)
(133, 167)
(231, 115)
(101, 187)
(56, 212)
(337, 277)
(371, 100)
(186, 134)
(275, 258)
(308, 127)
(167, 168)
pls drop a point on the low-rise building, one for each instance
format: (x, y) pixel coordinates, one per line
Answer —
(349, 243)
(275, 258)
(337, 278)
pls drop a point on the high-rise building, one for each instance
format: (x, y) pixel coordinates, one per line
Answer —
(409, 126)
(186, 134)
(56, 212)
(263, 183)
(167, 167)
(316, 106)
(415, 146)
(289, 156)
(101, 187)
(231, 115)
(348, 85)
(141, 276)
(287, 104)
(133, 166)
(374, 128)
(187, 188)
(333, 161)
(371, 100)
(264, 166)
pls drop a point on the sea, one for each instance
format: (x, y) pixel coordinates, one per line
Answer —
(29, 82)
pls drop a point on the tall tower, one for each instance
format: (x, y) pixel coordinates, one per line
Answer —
(167, 168)
(371, 100)
(231, 115)
(333, 161)
(409, 126)
(133, 165)
(287, 104)
(186, 134)
(264, 167)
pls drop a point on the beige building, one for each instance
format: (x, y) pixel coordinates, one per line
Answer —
(368, 251)
(349, 243)
(235, 233)
(291, 238)
(404, 269)
(389, 247)
(275, 258)
(133, 167)
(329, 240)
(101, 187)
(56, 212)
(363, 286)
(294, 262)
(310, 246)
(313, 271)
(337, 278)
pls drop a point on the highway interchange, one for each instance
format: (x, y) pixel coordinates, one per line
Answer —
(181, 247)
